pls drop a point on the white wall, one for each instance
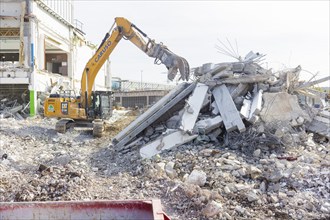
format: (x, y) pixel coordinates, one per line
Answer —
(58, 32)
(10, 9)
(82, 56)
(63, 8)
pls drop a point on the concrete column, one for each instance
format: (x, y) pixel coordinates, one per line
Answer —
(40, 51)
(70, 63)
(32, 86)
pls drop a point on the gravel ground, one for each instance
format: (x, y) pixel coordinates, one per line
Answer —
(239, 180)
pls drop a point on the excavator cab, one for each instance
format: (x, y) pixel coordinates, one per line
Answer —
(101, 105)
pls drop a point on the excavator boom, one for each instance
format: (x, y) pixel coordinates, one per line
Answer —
(127, 30)
(95, 106)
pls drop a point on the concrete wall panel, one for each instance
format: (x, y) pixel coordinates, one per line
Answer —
(13, 11)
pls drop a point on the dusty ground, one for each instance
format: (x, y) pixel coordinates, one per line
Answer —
(243, 180)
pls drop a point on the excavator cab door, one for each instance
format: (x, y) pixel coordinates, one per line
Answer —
(105, 105)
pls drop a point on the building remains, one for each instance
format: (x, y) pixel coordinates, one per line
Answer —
(42, 49)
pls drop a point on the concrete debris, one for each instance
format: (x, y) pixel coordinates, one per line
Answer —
(227, 108)
(252, 177)
(197, 177)
(192, 107)
(222, 103)
(320, 124)
(12, 109)
(212, 209)
(281, 106)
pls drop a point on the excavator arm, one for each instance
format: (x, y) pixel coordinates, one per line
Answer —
(125, 29)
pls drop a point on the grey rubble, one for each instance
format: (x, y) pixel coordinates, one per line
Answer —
(276, 166)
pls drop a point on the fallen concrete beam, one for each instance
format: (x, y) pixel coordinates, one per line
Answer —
(230, 115)
(224, 74)
(239, 90)
(246, 108)
(11, 111)
(309, 84)
(152, 114)
(256, 104)
(207, 125)
(212, 72)
(319, 93)
(18, 116)
(152, 110)
(322, 119)
(192, 108)
(169, 141)
(320, 126)
(308, 94)
(325, 114)
(245, 79)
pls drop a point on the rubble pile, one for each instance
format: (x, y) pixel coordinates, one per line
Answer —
(264, 182)
(256, 178)
(236, 143)
(227, 97)
(48, 183)
(11, 108)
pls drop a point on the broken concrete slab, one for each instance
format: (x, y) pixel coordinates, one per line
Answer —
(230, 115)
(239, 90)
(168, 141)
(192, 107)
(281, 107)
(246, 108)
(256, 105)
(309, 84)
(10, 111)
(325, 114)
(207, 125)
(150, 111)
(245, 79)
(152, 114)
(320, 125)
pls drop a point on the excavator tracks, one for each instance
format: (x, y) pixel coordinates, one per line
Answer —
(98, 128)
(63, 125)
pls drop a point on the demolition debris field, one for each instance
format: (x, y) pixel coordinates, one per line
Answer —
(253, 178)
(238, 142)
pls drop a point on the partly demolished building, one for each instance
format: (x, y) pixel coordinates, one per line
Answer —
(42, 48)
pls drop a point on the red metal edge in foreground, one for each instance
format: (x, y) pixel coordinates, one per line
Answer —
(83, 210)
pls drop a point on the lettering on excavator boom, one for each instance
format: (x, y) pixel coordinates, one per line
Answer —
(102, 51)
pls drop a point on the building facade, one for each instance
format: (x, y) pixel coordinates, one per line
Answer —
(42, 47)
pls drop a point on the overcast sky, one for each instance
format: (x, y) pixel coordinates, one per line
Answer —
(290, 33)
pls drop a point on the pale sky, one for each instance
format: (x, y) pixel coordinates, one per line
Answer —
(290, 33)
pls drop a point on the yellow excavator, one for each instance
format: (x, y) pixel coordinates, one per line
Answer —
(93, 107)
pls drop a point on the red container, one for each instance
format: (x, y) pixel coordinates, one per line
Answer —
(81, 210)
